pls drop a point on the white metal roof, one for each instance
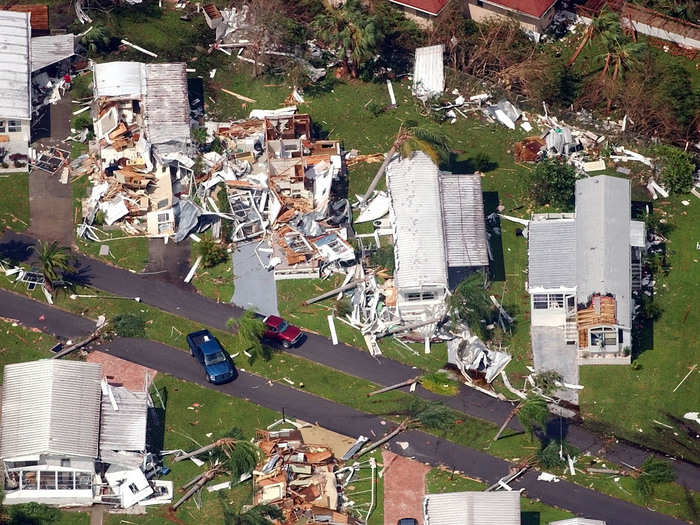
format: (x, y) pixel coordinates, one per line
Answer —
(50, 406)
(167, 109)
(638, 234)
(15, 56)
(47, 50)
(119, 79)
(472, 508)
(551, 253)
(603, 242)
(429, 71)
(124, 428)
(463, 220)
(419, 248)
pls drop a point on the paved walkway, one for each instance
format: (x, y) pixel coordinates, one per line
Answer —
(50, 202)
(346, 359)
(404, 488)
(339, 418)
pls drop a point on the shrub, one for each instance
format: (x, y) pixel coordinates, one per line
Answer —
(383, 257)
(677, 169)
(548, 457)
(129, 325)
(553, 182)
(654, 472)
(212, 252)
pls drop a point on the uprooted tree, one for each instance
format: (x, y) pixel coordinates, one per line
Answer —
(470, 303)
(249, 331)
(230, 456)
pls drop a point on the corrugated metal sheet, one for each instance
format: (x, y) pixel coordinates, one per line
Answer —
(577, 521)
(47, 50)
(39, 20)
(15, 93)
(119, 79)
(463, 220)
(124, 429)
(429, 71)
(419, 248)
(167, 109)
(638, 234)
(50, 406)
(603, 241)
(552, 253)
(472, 508)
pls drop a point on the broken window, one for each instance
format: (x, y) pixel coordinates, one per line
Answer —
(83, 481)
(65, 480)
(47, 480)
(29, 480)
(603, 336)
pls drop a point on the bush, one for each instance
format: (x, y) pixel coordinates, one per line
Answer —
(654, 472)
(553, 182)
(384, 258)
(32, 514)
(129, 325)
(677, 169)
(212, 252)
(548, 457)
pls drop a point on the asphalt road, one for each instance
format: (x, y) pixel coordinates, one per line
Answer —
(422, 446)
(185, 302)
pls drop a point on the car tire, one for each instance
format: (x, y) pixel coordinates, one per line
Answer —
(286, 344)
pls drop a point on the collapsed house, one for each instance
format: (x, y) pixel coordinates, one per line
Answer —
(139, 162)
(67, 437)
(439, 234)
(304, 480)
(583, 269)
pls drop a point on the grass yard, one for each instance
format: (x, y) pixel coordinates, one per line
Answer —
(532, 512)
(18, 343)
(14, 201)
(217, 282)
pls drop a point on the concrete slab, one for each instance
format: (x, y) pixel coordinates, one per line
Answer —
(404, 488)
(255, 286)
(550, 352)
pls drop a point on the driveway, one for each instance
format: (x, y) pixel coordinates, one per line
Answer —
(255, 286)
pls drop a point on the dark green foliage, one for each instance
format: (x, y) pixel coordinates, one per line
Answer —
(553, 182)
(261, 514)
(556, 84)
(533, 413)
(650, 309)
(430, 414)
(545, 381)
(654, 472)
(199, 135)
(216, 146)
(470, 302)
(83, 121)
(677, 89)
(401, 36)
(655, 223)
(97, 40)
(212, 252)
(129, 325)
(383, 258)
(224, 206)
(31, 514)
(343, 307)
(237, 454)
(548, 457)
(677, 170)
(250, 330)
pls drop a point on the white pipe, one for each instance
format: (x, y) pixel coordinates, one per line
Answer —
(373, 465)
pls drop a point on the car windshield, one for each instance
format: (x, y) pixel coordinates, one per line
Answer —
(282, 326)
(214, 359)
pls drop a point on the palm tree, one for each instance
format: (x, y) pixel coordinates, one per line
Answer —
(605, 28)
(250, 330)
(54, 261)
(261, 514)
(625, 56)
(654, 472)
(353, 32)
(410, 138)
(471, 303)
(230, 455)
(96, 39)
(530, 411)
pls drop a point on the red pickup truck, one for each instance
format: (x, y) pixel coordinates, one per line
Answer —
(281, 331)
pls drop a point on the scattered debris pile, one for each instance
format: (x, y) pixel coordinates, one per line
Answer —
(304, 480)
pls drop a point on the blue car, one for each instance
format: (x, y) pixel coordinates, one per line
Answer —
(216, 362)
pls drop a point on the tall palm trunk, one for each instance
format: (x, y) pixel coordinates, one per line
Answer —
(206, 478)
(614, 80)
(381, 171)
(510, 417)
(586, 38)
(607, 65)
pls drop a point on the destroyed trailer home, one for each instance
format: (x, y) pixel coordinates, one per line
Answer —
(304, 480)
(67, 437)
(583, 270)
(141, 118)
(279, 187)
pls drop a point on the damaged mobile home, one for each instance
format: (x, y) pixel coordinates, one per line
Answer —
(583, 271)
(305, 481)
(139, 161)
(69, 438)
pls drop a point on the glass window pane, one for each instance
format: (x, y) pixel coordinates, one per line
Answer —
(29, 480)
(540, 302)
(83, 480)
(47, 480)
(65, 480)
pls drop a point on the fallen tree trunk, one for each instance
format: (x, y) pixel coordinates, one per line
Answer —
(394, 387)
(511, 415)
(206, 478)
(77, 345)
(403, 426)
(201, 450)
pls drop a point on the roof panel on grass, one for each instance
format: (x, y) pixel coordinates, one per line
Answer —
(419, 249)
(15, 53)
(50, 406)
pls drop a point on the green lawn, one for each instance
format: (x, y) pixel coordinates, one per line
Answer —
(130, 253)
(14, 201)
(217, 282)
(18, 343)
